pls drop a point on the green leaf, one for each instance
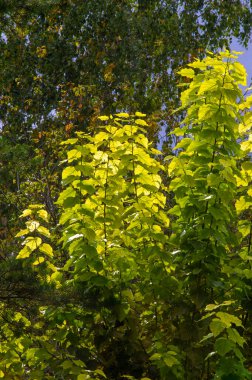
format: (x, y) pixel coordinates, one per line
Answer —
(170, 360)
(210, 355)
(69, 192)
(196, 146)
(223, 346)
(228, 319)
(211, 307)
(235, 336)
(213, 180)
(156, 356)
(217, 326)
(216, 213)
(182, 144)
(67, 364)
(74, 237)
(101, 373)
(83, 377)
(207, 111)
(206, 337)
(228, 175)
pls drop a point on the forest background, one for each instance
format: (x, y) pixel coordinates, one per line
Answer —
(63, 64)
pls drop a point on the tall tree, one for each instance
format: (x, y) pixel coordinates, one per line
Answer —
(62, 62)
(127, 292)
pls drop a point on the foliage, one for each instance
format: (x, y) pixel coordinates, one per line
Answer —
(65, 62)
(125, 291)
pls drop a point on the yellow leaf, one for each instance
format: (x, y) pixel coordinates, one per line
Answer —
(142, 140)
(56, 277)
(24, 253)
(36, 206)
(41, 51)
(237, 52)
(246, 145)
(244, 127)
(244, 229)
(32, 225)
(103, 118)
(241, 71)
(141, 122)
(26, 212)
(1, 373)
(122, 114)
(207, 85)
(247, 103)
(39, 260)
(22, 233)
(241, 181)
(140, 114)
(108, 72)
(241, 204)
(33, 242)
(70, 171)
(44, 231)
(189, 73)
(47, 249)
(43, 214)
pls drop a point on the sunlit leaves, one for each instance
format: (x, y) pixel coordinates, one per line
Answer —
(189, 73)
(47, 249)
(43, 214)
(174, 291)
(24, 253)
(211, 189)
(141, 122)
(32, 243)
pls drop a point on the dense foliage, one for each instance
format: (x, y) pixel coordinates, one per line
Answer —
(65, 62)
(133, 263)
(147, 275)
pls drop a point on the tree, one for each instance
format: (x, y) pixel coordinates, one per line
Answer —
(64, 62)
(132, 293)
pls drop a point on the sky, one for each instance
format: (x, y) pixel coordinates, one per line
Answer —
(245, 58)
